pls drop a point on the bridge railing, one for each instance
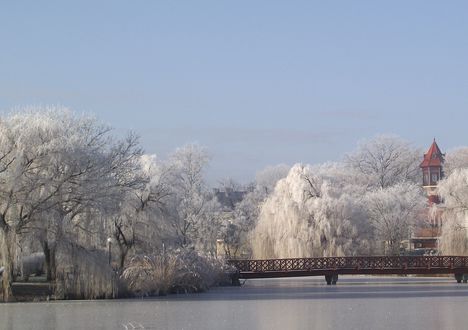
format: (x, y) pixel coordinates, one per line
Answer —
(355, 263)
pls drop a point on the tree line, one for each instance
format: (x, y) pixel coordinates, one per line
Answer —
(74, 191)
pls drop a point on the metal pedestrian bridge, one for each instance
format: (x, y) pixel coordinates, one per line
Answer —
(331, 267)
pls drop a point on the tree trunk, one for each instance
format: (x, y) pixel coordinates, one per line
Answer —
(123, 251)
(393, 248)
(46, 250)
(7, 246)
(53, 264)
(49, 260)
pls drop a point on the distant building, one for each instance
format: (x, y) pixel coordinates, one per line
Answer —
(427, 234)
(228, 198)
(433, 172)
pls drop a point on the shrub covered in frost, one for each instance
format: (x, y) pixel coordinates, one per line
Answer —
(197, 271)
(181, 270)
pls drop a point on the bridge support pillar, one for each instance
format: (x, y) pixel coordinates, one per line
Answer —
(334, 279)
(235, 279)
(331, 279)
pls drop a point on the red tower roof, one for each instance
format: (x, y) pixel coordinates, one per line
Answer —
(433, 157)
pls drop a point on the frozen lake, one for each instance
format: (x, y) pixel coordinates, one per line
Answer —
(300, 303)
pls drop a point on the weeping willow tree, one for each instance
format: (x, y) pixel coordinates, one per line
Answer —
(310, 213)
(454, 192)
(83, 273)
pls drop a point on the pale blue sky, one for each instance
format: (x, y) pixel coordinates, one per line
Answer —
(257, 82)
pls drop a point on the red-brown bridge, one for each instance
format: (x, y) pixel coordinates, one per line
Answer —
(331, 267)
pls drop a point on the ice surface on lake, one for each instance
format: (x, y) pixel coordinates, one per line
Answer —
(307, 303)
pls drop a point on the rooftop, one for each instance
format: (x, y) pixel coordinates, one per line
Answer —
(433, 157)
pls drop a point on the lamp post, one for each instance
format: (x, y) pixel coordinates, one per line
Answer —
(109, 245)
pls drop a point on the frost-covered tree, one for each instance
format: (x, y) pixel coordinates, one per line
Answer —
(29, 185)
(392, 213)
(55, 166)
(138, 219)
(30, 145)
(102, 171)
(229, 184)
(266, 179)
(456, 159)
(454, 192)
(385, 161)
(239, 223)
(193, 210)
(310, 214)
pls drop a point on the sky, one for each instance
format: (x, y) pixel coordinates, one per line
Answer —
(257, 82)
